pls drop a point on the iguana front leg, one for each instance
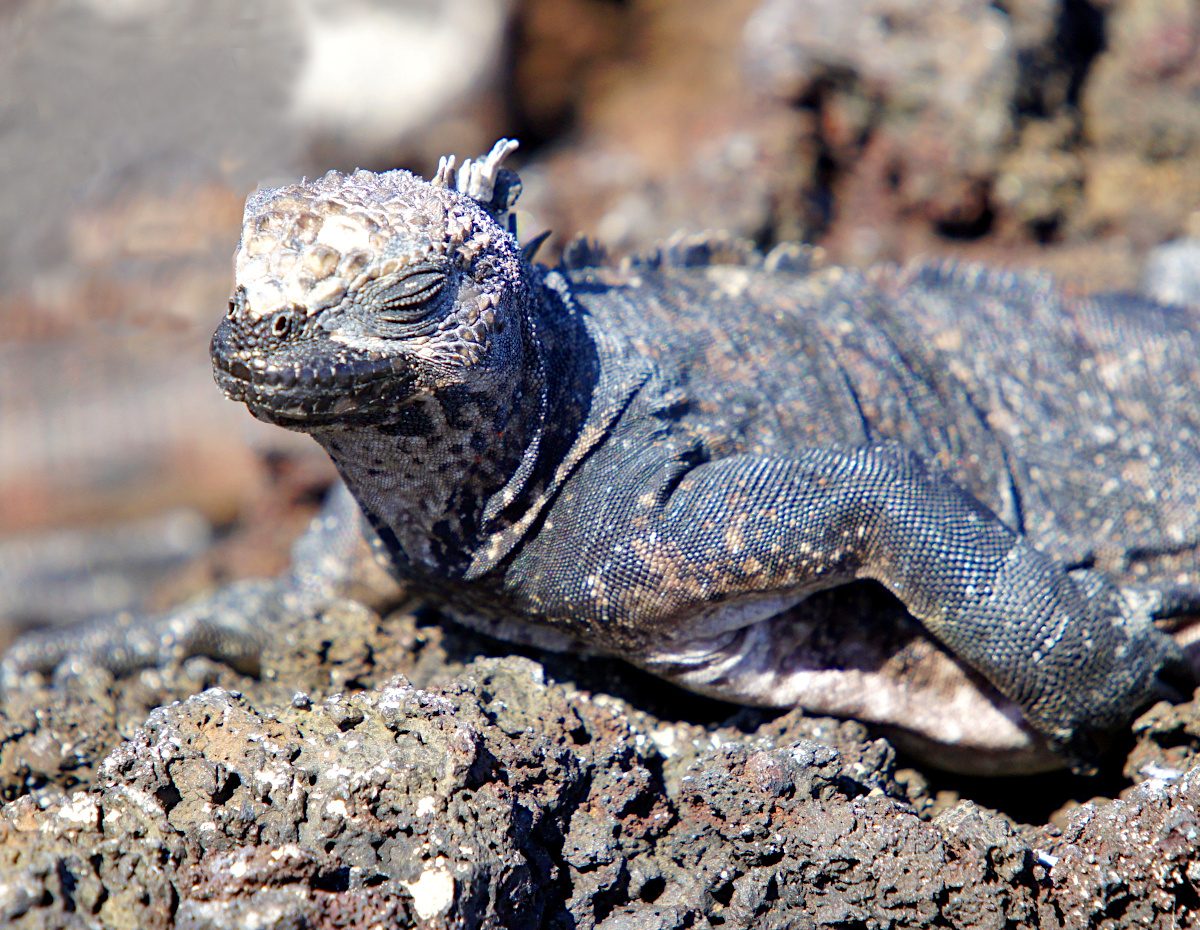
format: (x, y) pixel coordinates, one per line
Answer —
(744, 529)
(331, 560)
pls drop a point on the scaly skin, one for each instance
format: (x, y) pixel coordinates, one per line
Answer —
(669, 460)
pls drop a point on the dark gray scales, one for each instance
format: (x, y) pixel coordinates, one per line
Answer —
(798, 432)
(713, 468)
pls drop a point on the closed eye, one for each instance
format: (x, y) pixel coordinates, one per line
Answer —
(405, 300)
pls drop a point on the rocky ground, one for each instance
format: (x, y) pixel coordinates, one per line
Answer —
(401, 772)
(385, 767)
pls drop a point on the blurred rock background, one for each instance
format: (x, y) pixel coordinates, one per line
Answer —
(1056, 134)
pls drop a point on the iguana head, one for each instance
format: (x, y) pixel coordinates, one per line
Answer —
(354, 294)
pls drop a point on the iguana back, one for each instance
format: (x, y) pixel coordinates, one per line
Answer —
(1074, 420)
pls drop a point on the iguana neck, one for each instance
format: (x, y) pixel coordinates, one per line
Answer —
(434, 476)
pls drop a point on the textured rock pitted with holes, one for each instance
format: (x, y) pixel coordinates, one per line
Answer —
(679, 459)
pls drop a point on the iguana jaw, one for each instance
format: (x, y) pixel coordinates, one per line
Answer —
(312, 383)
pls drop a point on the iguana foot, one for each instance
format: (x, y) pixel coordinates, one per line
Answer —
(331, 561)
(227, 626)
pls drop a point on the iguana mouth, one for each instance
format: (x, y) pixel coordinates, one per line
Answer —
(290, 389)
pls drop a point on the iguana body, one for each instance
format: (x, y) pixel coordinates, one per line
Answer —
(692, 461)
(665, 462)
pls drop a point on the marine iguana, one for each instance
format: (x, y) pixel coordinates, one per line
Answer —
(671, 460)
